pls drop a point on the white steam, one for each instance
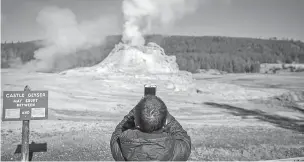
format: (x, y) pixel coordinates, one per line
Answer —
(65, 36)
(140, 15)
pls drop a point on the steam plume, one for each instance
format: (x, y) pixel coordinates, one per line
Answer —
(140, 15)
(65, 36)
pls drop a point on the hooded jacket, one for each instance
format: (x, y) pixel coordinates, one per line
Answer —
(171, 143)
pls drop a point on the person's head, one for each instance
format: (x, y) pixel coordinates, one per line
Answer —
(150, 114)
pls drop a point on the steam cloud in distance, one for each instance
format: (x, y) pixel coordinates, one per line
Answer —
(141, 15)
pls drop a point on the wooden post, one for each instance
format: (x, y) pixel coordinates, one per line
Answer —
(25, 136)
(25, 140)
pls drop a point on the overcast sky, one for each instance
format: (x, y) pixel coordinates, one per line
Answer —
(239, 18)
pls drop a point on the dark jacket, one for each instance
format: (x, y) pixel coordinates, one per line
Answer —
(169, 144)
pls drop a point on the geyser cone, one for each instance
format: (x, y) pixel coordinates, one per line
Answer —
(150, 59)
(144, 64)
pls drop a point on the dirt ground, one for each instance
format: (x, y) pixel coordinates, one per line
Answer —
(82, 119)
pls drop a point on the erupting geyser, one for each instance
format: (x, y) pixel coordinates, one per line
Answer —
(132, 60)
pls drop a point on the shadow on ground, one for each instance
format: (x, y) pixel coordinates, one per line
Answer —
(279, 121)
(297, 108)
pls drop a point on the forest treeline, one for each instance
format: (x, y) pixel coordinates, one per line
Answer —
(234, 55)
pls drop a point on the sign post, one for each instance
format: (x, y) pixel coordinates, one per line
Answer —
(25, 106)
(25, 140)
(25, 136)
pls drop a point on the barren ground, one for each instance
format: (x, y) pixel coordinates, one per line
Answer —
(83, 113)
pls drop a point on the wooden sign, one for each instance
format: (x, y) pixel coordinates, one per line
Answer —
(25, 105)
